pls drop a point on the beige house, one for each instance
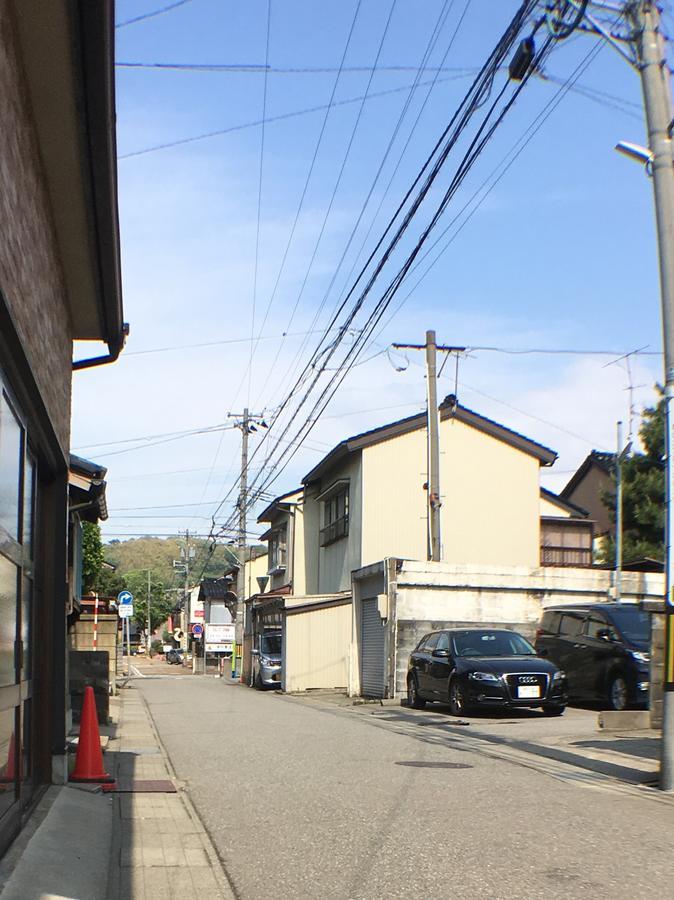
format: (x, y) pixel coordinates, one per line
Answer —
(367, 499)
(285, 542)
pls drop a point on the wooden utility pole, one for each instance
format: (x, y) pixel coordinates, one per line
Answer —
(434, 503)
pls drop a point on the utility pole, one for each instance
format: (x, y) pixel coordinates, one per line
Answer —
(149, 617)
(246, 424)
(653, 68)
(433, 438)
(619, 515)
(647, 55)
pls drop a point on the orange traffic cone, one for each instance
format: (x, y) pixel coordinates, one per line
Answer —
(10, 769)
(89, 759)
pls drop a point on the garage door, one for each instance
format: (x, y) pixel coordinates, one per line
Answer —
(372, 659)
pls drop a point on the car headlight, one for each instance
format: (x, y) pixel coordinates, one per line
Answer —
(559, 676)
(265, 661)
(484, 676)
(639, 656)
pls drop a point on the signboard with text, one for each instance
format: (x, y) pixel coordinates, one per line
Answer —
(219, 638)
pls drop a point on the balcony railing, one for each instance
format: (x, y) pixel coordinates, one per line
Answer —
(334, 531)
(566, 556)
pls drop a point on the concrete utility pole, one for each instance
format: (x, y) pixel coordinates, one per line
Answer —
(619, 514)
(149, 616)
(649, 58)
(247, 423)
(653, 68)
(433, 438)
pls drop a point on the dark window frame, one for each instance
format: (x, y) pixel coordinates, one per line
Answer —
(335, 517)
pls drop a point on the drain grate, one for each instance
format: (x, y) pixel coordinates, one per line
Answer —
(420, 764)
(139, 786)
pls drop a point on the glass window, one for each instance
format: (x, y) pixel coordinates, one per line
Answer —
(571, 624)
(8, 611)
(26, 629)
(595, 625)
(491, 643)
(443, 642)
(430, 642)
(8, 759)
(634, 624)
(278, 548)
(335, 517)
(10, 468)
(28, 506)
(550, 622)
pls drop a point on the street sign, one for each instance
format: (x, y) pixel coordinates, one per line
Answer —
(124, 598)
(219, 638)
(197, 630)
(177, 634)
(125, 610)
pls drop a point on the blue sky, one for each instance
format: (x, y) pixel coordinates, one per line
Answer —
(560, 255)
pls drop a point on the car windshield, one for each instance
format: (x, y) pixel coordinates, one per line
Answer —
(491, 643)
(634, 624)
(271, 643)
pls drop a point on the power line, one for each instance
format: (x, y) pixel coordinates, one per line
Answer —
(440, 22)
(475, 97)
(278, 118)
(261, 69)
(152, 15)
(300, 205)
(246, 340)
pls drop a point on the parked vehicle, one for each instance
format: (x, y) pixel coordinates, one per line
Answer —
(175, 657)
(480, 668)
(267, 660)
(604, 648)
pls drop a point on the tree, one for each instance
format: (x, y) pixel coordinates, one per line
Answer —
(92, 555)
(643, 477)
(161, 602)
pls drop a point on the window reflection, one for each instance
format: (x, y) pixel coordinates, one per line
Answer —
(10, 468)
(8, 611)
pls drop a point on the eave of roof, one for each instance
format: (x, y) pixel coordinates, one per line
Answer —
(564, 504)
(448, 409)
(67, 51)
(276, 503)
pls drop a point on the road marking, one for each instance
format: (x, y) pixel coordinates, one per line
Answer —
(137, 673)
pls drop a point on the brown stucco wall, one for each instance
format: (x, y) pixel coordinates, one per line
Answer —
(31, 283)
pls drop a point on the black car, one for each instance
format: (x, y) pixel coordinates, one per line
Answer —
(174, 657)
(480, 668)
(604, 648)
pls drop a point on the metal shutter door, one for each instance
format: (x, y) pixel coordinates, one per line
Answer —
(372, 661)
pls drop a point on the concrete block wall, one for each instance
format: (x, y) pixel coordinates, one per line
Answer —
(82, 638)
(430, 596)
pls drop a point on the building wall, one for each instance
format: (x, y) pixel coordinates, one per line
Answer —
(490, 494)
(587, 494)
(553, 510)
(329, 568)
(31, 283)
(298, 577)
(490, 499)
(394, 498)
(316, 648)
(254, 568)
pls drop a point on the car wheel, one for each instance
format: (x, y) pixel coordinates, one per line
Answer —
(258, 682)
(617, 693)
(413, 698)
(457, 700)
(553, 709)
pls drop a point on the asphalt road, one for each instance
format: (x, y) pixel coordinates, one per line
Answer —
(304, 799)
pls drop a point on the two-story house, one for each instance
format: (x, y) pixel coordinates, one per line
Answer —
(367, 499)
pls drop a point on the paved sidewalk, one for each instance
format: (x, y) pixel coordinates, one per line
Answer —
(160, 847)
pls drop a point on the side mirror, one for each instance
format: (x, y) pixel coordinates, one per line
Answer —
(255, 652)
(442, 654)
(543, 652)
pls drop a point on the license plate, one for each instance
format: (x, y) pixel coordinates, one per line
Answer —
(528, 691)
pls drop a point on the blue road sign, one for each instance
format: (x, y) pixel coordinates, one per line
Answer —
(124, 598)
(197, 630)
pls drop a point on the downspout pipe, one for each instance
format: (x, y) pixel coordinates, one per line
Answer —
(112, 356)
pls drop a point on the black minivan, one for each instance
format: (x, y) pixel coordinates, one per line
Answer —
(603, 648)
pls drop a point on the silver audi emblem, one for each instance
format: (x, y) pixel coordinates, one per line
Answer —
(528, 679)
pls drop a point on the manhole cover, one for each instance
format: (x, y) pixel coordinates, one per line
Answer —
(419, 764)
